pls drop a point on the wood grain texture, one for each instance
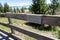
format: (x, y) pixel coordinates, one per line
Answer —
(34, 18)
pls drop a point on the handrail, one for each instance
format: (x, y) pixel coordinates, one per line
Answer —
(34, 18)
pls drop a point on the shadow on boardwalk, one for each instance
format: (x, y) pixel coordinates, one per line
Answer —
(7, 36)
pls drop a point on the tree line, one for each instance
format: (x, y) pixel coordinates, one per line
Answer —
(6, 8)
(40, 7)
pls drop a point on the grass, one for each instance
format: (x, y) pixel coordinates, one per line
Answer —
(4, 20)
(4, 28)
(24, 25)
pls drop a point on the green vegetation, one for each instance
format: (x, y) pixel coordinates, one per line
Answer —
(54, 5)
(6, 7)
(11, 10)
(18, 10)
(1, 8)
(14, 10)
(38, 7)
(22, 10)
(4, 28)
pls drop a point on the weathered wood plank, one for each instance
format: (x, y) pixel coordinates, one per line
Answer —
(51, 20)
(17, 16)
(27, 17)
(29, 33)
(34, 18)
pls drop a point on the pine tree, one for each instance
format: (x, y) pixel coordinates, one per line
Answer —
(18, 11)
(54, 5)
(39, 6)
(1, 8)
(30, 9)
(6, 7)
(14, 10)
(10, 9)
(22, 10)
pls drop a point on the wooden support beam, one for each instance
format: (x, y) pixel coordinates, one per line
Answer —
(35, 18)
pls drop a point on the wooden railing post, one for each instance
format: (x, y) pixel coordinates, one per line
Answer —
(10, 23)
(42, 25)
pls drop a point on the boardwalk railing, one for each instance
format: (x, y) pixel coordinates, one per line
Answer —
(34, 18)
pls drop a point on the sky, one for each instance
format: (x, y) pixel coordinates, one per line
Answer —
(48, 1)
(19, 2)
(16, 2)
